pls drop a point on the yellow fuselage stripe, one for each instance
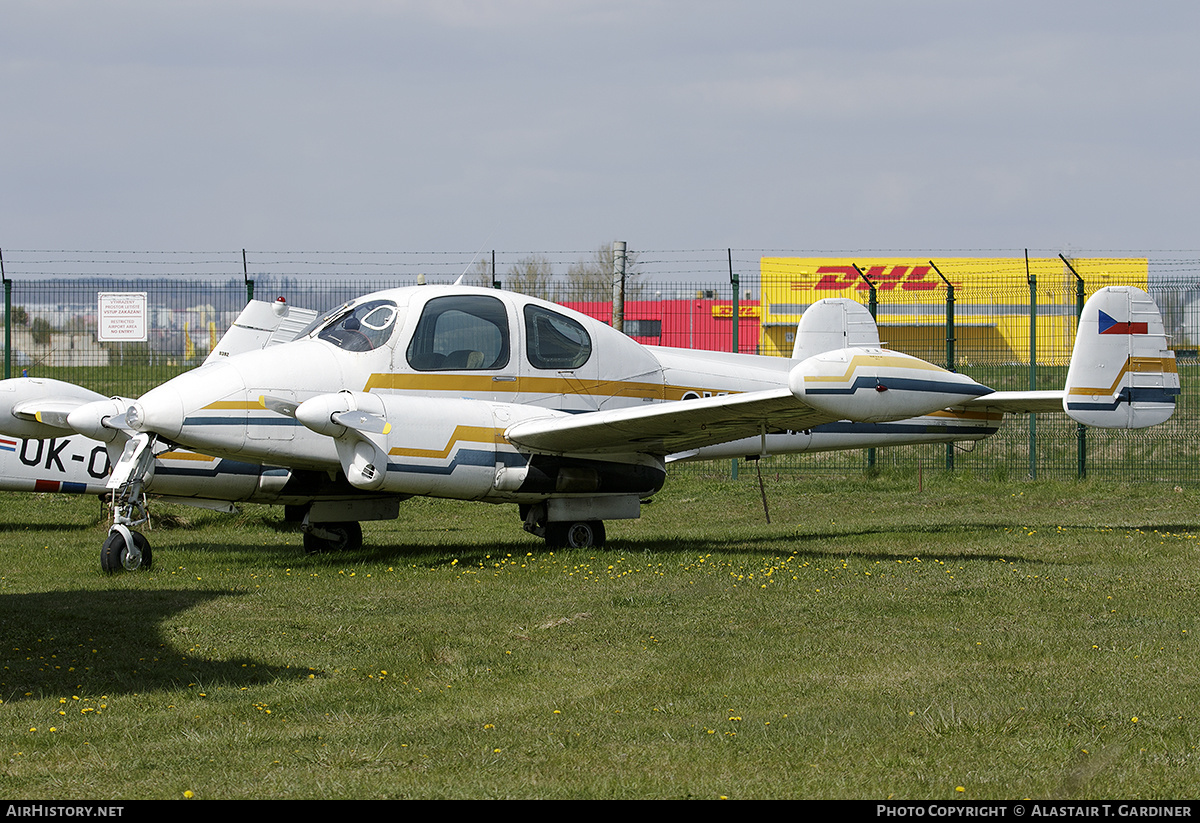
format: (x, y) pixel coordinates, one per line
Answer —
(485, 384)
(874, 360)
(474, 434)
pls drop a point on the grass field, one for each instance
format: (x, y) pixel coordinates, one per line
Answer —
(961, 639)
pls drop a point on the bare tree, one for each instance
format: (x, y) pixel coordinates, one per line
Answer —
(532, 275)
(591, 279)
(480, 274)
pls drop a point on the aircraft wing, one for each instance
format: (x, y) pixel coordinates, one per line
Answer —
(1019, 402)
(667, 428)
(37, 407)
(859, 384)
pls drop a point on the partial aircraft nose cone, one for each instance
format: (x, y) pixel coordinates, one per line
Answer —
(98, 420)
(159, 410)
(197, 408)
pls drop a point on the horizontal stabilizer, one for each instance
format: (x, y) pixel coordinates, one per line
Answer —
(1122, 373)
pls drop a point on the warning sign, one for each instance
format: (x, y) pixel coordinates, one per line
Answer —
(121, 316)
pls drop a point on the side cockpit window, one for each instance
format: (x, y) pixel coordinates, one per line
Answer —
(555, 341)
(363, 327)
(462, 332)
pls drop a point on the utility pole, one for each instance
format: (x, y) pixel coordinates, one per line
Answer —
(618, 307)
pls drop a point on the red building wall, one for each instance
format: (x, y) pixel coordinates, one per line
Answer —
(699, 323)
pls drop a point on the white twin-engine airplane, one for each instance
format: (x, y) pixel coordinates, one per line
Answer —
(479, 394)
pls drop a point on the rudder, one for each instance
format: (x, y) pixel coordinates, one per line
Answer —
(834, 323)
(1122, 373)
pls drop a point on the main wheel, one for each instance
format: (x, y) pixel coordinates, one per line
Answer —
(346, 536)
(585, 534)
(116, 556)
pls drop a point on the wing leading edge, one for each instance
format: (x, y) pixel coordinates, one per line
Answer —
(667, 428)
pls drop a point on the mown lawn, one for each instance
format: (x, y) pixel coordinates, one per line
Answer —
(961, 639)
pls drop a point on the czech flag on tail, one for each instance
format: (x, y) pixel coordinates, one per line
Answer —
(1110, 325)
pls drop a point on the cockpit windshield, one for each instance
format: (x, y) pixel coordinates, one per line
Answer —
(364, 327)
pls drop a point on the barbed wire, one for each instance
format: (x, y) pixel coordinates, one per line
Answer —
(714, 264)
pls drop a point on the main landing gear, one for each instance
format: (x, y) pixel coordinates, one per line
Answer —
(585, 534)
(567, 534)
(125, 549)
(332, 537)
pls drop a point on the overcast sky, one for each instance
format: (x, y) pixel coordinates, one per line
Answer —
(559, 125)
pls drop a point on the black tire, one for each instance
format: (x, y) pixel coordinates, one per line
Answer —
(584, 534)
(347, 538)
(114, 551)
(143, 546)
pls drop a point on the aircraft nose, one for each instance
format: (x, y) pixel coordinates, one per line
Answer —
(182, 402)
(159, 411)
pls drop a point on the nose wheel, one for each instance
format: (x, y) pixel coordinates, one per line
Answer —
(125, 550)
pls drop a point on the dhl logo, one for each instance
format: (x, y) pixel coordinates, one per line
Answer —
(885, 278)
(743, 311)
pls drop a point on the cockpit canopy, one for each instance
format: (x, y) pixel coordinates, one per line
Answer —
(459, 332)
(364, 327)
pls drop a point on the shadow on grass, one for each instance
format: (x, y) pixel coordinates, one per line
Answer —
(48, 527)
(798, 544)
(106, 642)
(841, 544)
(801, 545)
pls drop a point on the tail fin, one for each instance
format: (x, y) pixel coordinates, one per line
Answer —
(834, 323)
(260, 324)
(1122, 375)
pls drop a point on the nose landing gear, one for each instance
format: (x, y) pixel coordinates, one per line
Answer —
(125, 549)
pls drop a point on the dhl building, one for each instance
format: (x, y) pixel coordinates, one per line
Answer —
(999, 306)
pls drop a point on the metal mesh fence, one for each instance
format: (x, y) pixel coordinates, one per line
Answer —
(1010, 327)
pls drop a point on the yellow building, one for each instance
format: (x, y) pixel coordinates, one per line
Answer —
(992, 300)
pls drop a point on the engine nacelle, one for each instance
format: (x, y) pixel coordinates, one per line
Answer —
(871, 385)
(455, 447)
(36, 408)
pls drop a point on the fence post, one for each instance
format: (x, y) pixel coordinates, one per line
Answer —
(737, 318)
(950, 353)
(1032, 365)
(246, 277)
(873, 308)
(7, 319)
(737, 322)
(1080, 429)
